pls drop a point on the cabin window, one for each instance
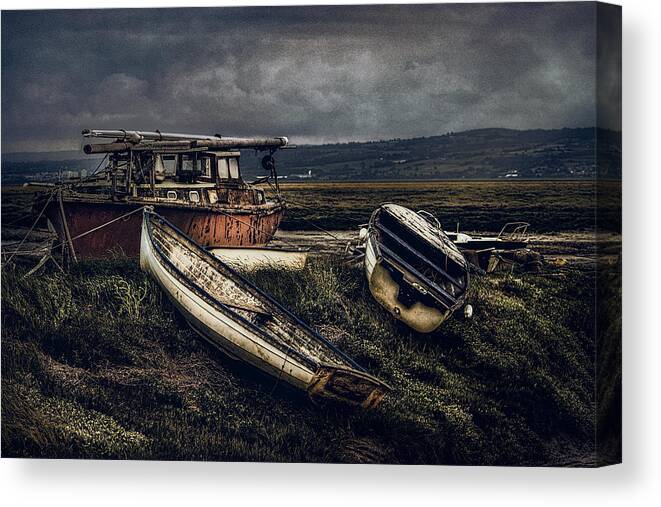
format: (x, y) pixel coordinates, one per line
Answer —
(234, 167)
(193, 196)
(213, 196)
(223, 169)
(172, 195)
(206, 167)
(188, 163)
(170, 164)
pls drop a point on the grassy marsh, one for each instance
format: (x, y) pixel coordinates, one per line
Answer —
(549, 206)
(97, 364)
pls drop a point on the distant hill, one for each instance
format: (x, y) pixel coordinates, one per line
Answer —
(43, 156)
(473, 154)
(14, 172)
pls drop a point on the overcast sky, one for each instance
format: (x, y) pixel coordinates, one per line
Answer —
(314, 74)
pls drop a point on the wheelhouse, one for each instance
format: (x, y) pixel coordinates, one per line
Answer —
(204, 177)
(210, 167)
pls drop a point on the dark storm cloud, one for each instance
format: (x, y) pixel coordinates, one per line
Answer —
(312, 73)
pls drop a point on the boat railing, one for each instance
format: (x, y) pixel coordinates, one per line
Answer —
(514, 231)
(430, 217)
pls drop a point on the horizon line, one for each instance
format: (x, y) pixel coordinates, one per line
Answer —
(381, 140)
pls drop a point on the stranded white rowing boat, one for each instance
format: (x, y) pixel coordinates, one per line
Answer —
(233, 314)
(413, 269)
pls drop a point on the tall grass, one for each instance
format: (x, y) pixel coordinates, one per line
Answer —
(549, 206)
(96, 363)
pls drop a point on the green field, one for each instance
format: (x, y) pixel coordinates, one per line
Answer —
(549, 206)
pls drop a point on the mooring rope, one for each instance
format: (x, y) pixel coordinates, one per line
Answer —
(297, 203)
(356, 221)
(101, 226)
(277, 380)
(31, 229)
(90, 231)
(27, 210)
(322, 229)
(232, 217)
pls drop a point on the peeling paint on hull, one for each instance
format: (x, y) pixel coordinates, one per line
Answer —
(413, 269)
(222, 226)
(418, 316)
(252, 258)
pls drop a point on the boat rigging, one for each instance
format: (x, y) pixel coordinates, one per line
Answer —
(194, 180)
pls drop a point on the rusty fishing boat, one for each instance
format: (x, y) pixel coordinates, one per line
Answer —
(234, 315)
(193, 180)
(412, 267)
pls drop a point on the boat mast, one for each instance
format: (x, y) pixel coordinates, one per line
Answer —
(143, 140)
(143, 135)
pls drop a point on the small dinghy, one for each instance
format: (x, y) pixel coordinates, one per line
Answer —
(234, 315)
(253, 257)
(413, 268)
(513, 236)
(499, 253)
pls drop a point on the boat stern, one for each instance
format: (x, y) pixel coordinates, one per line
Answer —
(417, 315)
(347, 385)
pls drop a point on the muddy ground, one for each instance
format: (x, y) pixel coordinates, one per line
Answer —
(577, 248)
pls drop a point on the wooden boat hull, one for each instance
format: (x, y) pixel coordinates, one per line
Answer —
(494, 261)
(419, 316)
(413, 270)
(497, 253)
(208, 226)
(252, 258)
(235, 316)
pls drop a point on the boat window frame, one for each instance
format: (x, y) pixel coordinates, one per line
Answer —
(226, 171)
(170, 163)
(228, 168)
(189, 163)
(205, 167)
(234, 171)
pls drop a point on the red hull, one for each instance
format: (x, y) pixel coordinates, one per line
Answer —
(206, 226)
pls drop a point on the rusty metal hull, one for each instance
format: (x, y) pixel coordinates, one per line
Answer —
(207, 225)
